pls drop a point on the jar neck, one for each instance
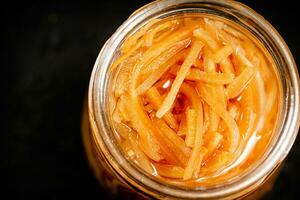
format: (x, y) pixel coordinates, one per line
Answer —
(239, 14)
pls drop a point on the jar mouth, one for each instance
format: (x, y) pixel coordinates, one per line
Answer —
(286, 66)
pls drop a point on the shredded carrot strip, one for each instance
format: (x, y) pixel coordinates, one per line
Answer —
(198, 152)
(213, 78)
(206, 116)
(191, 94)
(218, 161)
(154, 52)
(228, 39)
(242, 58)
(158, 48)
(246, 123)
(169, 151)
(168, 102)
(122, 130)
(169, 171)
(264, 69)
(198, 63)
(123, 77)
(121, 107)
(237, 86)
(194, 164)
(202, 35)
(249, 49)
(221, 96)
(198, 160)
(166, 56)
(218, 30)
(156, 100)
(174, 138)
(162, 65)
(217, 107)
(182, 130)
(210, 77)
(191, 127)
(271, 98)
(164, 35)
(212, 141)
(233, 111)
(222, 53)
(226, 66)
(234, 32)
(150, 36)
(141, 158)
(209, 64)
(212, 29)
(258, 88)
(270, 112)
(149, 108)
(128, 53)
(172, 150)
(214, 121)
(133, 38)
(141, 123)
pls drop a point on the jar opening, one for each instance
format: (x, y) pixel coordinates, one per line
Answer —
(260, 29)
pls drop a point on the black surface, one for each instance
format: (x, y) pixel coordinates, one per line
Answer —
(49, 51)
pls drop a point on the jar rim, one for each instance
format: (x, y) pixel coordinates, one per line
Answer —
(98, 116)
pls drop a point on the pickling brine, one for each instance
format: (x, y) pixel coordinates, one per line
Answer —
(196, 99)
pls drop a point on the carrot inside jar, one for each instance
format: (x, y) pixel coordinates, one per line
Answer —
(196, 100)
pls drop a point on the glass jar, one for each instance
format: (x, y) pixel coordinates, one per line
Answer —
(105, 155)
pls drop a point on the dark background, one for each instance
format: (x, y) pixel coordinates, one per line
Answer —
(49, 49)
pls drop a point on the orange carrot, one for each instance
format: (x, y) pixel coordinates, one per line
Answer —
(169, 100)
